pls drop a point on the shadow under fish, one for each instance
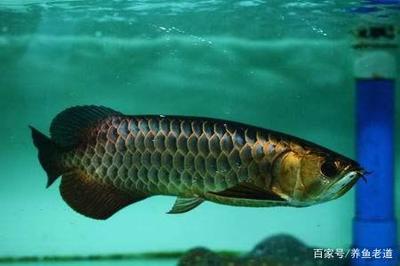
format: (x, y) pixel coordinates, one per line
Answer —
(109, 160)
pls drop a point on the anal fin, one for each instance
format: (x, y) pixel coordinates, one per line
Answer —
(92, 198)
(185, 204)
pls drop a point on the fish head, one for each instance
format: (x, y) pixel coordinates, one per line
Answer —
(305, 179)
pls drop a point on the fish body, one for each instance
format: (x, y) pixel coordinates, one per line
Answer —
(109, 160)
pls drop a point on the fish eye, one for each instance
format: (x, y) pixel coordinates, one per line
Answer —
(329, 168)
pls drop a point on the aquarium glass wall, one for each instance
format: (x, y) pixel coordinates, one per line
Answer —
(280, 65)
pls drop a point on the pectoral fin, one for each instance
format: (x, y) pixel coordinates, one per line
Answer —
(248, 191)
(185, 204)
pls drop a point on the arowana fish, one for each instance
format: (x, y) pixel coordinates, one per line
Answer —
(109, 160)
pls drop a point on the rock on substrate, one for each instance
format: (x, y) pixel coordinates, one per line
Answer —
(279, 250)
(200, 257)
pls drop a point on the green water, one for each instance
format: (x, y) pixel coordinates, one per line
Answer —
(281, 65)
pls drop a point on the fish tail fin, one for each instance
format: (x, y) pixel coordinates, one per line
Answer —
(48, 154)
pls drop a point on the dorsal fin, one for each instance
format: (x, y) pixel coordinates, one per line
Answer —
(67, 127)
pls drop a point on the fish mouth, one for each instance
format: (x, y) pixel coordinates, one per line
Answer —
(343, 185)
(335, 190)
(363, 173)
(360, 173)
(347, 187)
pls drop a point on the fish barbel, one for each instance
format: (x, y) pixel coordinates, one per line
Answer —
(109, 160)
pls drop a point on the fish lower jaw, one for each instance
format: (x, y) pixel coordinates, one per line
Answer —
(332, 192)
(340, 186)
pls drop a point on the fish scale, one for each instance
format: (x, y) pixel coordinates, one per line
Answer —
(170, 155)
